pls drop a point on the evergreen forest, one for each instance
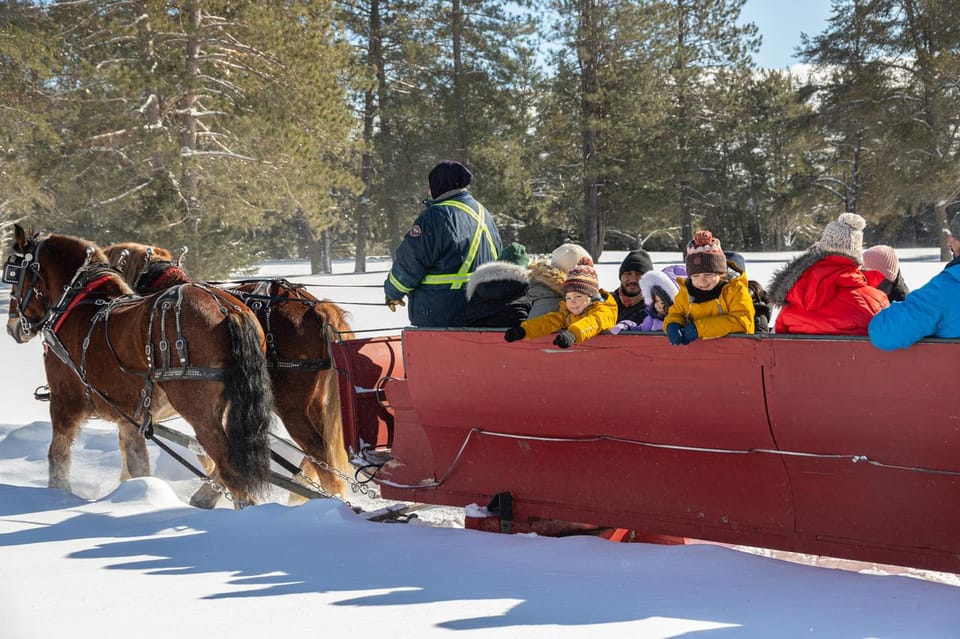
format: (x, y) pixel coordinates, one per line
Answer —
(257, 129)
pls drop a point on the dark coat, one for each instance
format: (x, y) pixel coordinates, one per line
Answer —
(497, 296)
(636, 313)
(436, 246)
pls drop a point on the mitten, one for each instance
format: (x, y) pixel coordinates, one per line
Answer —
(514, 333)
(624, 325)
(393, 304)
(675, 334)
(690, 333)
(564, 339)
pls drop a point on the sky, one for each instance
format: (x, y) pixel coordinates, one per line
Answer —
(780, 23)
(132, 559)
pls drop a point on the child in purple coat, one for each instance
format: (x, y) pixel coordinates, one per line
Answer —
(658, 289)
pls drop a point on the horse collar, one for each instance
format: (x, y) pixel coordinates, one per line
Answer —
(78, 297)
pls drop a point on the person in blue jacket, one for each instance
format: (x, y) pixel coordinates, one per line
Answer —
(932, 310)
(450, 238)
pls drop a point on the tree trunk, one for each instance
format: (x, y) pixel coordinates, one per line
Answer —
(366, 162)
(190, 180)
(460, 135)
(593, 222)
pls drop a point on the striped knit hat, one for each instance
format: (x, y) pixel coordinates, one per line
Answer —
(582, 278)
(704, 254)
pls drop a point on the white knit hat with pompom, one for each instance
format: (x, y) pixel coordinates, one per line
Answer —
(566, 256)
(844, 236)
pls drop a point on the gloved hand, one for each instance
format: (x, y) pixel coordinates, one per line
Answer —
(690, 333)
(624, 325)
(675, 334)
(393, 304)
(514, 333)
(564, 339)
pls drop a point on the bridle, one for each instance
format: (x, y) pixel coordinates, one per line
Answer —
(18, 268)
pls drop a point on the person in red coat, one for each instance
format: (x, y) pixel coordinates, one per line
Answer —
(823, 291)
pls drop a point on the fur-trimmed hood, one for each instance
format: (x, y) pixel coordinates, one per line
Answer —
(786, 277)
(499, 273)
(551, 277)
(659, 279)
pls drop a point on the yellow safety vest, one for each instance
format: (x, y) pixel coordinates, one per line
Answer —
(458, 279)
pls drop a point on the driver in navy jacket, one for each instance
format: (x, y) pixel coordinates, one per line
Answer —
(450, 238)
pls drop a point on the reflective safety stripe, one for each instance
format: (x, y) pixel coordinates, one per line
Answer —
(400, 287)
(461, 277)
(447, 278)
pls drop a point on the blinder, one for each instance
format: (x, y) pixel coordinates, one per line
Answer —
(13, 269)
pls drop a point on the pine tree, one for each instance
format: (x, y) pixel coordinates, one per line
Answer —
(28, 137)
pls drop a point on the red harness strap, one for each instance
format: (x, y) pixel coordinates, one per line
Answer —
(160, 283)
(89, 288)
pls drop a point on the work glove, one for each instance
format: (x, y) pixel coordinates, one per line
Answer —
(564, 339)
(625, 325)
(514, 333)
(690, 333)
(675, 334)
(393, 304)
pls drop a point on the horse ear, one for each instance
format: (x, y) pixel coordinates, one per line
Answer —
(19, 237)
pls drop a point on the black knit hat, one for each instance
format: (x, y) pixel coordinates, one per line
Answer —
(638, 261)
(448, 175)
(953, 227)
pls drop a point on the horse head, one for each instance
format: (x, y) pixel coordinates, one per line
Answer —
(39, 269)
(146, 268)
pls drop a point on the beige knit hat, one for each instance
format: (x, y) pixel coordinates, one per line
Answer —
(566, 256)
(844, 236)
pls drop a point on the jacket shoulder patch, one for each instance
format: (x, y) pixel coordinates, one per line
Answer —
(415, 231)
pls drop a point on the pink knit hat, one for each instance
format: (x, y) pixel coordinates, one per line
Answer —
(882, 258)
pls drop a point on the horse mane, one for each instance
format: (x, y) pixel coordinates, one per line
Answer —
(330, 314)
(136, 258)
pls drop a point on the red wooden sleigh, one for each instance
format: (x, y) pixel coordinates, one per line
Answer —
(817, 445)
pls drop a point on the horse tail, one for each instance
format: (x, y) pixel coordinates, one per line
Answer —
(249, 403)
(335, 319)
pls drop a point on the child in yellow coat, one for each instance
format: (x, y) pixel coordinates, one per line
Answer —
(586, 310)
(709, 303)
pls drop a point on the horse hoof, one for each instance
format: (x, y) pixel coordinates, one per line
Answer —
(206, 497)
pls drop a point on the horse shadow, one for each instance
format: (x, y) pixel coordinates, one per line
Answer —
(322, 547)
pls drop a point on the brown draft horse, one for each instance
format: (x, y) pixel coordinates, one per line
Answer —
(133, 360)
(305, 385)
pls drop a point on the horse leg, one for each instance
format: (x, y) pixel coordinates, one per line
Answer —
(192, 401)
(134, 457)
(66, 424)
(312, 417)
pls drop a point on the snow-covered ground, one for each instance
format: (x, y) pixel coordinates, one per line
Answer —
(133, 560)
